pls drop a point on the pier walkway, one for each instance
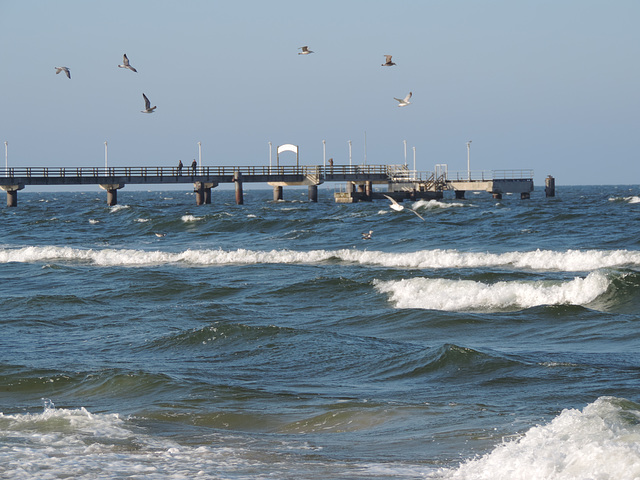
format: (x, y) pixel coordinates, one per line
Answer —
(402, 183)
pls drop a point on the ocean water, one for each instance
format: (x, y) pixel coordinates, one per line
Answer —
(498, 339)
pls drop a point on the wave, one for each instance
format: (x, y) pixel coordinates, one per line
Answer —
(469, 295)
(601, 441)
(547, 260)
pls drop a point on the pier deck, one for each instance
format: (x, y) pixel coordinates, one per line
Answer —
(401, 182)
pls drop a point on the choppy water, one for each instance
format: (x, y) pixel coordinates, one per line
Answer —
(495, 340)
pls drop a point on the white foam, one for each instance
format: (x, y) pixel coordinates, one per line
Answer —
(600, 442)
(142, 220)
(117, 208)
(435, 204)
(460, 295)
(190, 218)
(567, 261)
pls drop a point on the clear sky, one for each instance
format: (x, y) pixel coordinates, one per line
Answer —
(548, 85)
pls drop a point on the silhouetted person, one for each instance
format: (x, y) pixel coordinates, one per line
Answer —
(179, 167)
(193, 166)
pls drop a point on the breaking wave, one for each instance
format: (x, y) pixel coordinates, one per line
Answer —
(468, 295)
(547, 260)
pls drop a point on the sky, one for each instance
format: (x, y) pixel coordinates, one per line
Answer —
(547, 85)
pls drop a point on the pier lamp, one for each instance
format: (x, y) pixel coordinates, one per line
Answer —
(106, 159)
(349, 152)
(200, 155)
(6, 158)
(269, 157)
(468, 164)
(324, 153)
(405, 152)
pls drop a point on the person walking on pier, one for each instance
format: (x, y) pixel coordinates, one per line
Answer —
(193, 166)
(179, 167)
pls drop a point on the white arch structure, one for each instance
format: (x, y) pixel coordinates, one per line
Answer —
(287, 147)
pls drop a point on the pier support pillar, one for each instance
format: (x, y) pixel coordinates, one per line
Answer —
(525, 195)
(313, 193)
(278, 193)
(237, 178)
(368, 190)
(550, 186)
(460, 194)
(112, 192)
(207, 195)
(497, 196)
(12, 194)
(12, 198)
(198, 187)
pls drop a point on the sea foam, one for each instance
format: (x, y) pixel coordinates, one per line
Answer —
(547, 260)
(600, 442)
(468, 295)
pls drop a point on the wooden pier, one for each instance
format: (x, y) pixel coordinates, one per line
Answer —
(401, 182)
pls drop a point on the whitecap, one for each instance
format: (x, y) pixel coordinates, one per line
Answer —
(467, 295)
(600, 442)
(191, 218)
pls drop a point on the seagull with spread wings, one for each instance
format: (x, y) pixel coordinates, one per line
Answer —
(63, 69)
(147, 105)
(125, 64)
(398, 208)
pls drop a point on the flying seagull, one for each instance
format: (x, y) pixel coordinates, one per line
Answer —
(388, 62)
(125, 63)
(63, 69)
(147, 105)
(305, 50)
(398, 208)
(404, 101)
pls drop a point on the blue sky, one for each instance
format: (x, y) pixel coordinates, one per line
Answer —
(551, 86)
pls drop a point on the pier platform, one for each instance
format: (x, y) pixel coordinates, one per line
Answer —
(401, 183)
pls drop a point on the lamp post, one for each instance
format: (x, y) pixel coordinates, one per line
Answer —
(405, 152)
(324, 153)
(349, 152)
(200, 155)
(414, 163)
(6, 158)
(269, 157)
(106, 160)
(468, 164)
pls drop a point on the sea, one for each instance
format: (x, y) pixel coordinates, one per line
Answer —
(157, 339)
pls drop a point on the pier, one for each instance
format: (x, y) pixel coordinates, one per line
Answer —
(401, 182)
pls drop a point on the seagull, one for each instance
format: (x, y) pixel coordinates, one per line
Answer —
(125, 63)
(160, 234)
(63, 69)
(404, 101)
(147, 105)
(305, 50)
(388, 62)
(398, 208)
(367, 235)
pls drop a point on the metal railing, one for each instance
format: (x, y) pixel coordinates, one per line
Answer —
(210, 171)
(487, 175)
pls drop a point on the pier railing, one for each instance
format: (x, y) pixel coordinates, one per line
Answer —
(486, 175)
(209, 171)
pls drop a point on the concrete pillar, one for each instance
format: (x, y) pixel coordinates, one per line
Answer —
(112, 197)
(460, 194)
(207, 195)
(550, 186)
(112, 192)
(198, 187)
(12, 198)
(497, 196)
(368, 189)
(237, 178)
(313, 193)
(525, 195)
(278, 193)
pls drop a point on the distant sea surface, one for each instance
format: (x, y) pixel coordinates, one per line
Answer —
(498, 339)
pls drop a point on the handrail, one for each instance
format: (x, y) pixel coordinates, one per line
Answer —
(155, 171)
(488, 175)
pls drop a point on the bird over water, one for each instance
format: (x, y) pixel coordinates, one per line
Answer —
(305, 50)
(147, 105)
(125, 64)
(63, 69)
(388, 62)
